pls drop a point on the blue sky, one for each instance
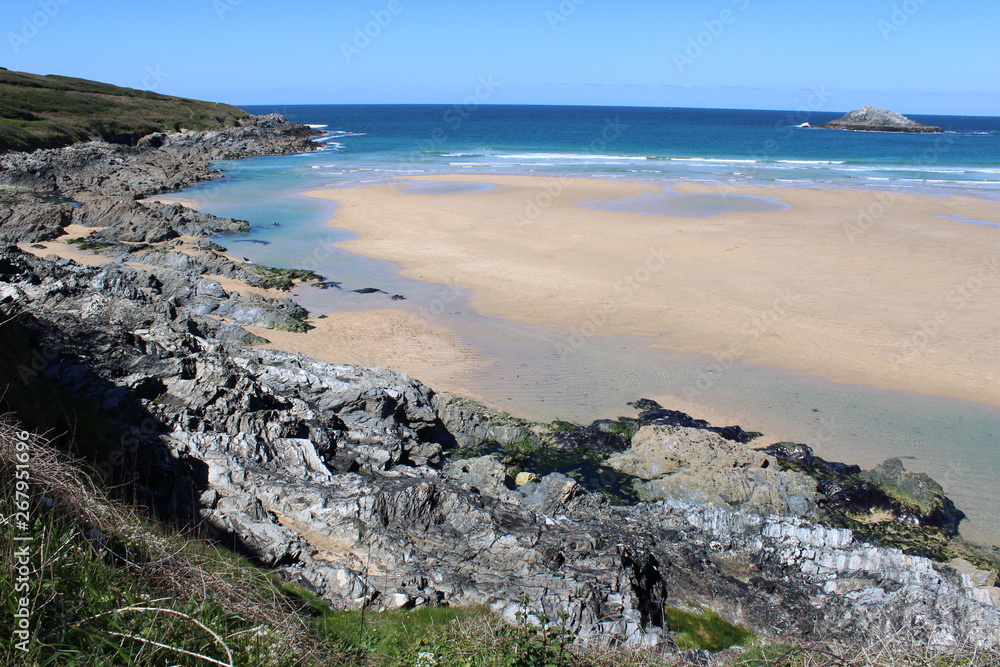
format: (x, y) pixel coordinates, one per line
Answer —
(913, 56)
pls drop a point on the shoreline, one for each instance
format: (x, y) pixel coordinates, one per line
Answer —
(735, 281)
(282, 449)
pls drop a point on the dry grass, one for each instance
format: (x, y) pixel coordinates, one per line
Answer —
(170, 564)
(182, 569)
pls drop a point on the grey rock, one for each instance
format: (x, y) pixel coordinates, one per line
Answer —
(551, 493)
(484, 474)
(870, 119)
(472, 423)
(701, 466)
(337, 476)
(26, 218)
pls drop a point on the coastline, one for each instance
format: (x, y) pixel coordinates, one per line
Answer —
(902, 303)
(306, 462)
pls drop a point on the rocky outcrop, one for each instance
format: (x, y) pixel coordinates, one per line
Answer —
(340, 478)
(705, 468)
(182, 159)
(910, 499)
(131, 221)
(103, 180)
(137, 298)
(27, 217)
(870, 119)
(372, 490)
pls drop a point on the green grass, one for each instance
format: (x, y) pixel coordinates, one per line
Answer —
(704, 629)
(136, 593)
(53, 111)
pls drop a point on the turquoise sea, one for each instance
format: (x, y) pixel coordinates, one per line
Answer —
(526, 369)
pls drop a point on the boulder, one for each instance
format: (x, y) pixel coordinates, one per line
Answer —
(701, 466)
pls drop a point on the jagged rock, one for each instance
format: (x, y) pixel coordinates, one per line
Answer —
(26, 218)
(921, 498)
(110, 170)
(131, 221)
(154, 140)
(336, 474)
(683, 462)
(652, 413)
(846, 490)
(870, 119)
(484, 474)
(472, 424)
(550, 493)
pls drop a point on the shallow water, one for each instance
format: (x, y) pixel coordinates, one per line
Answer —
(690, 205)
(543, 373)
(446, 188)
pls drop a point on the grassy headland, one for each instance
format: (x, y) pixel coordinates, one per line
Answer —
(52, 111)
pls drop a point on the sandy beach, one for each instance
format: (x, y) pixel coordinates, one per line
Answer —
(855, 286)
(388, 338)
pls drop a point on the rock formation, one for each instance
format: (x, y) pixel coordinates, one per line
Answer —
(372, 490)
(705, 468)
(339, 477)
(870, 119)
(97, 183)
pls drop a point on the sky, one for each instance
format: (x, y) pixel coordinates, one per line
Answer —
(911, 56)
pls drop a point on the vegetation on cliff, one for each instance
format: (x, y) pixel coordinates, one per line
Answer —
(106, 585)
(52, 111)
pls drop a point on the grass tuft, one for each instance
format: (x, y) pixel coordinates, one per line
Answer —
(704, 630)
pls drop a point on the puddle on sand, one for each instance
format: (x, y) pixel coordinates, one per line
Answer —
(689, 205)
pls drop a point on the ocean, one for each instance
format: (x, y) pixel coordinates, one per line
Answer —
(759, 147)
(956, 442)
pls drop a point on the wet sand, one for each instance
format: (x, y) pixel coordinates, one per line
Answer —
(853, 286)
(389, 338)
(542, 345)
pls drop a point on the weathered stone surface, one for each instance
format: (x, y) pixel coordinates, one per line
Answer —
(108, 178)
(336, 475)
(111, 170)
(28, 219)
(870, 119)
(484, 474)
(701, 466)
(909, 498)
(471, 423)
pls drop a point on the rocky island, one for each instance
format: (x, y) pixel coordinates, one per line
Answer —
(363, 489)
(870, 119)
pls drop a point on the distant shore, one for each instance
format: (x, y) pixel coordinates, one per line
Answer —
(855, 286)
